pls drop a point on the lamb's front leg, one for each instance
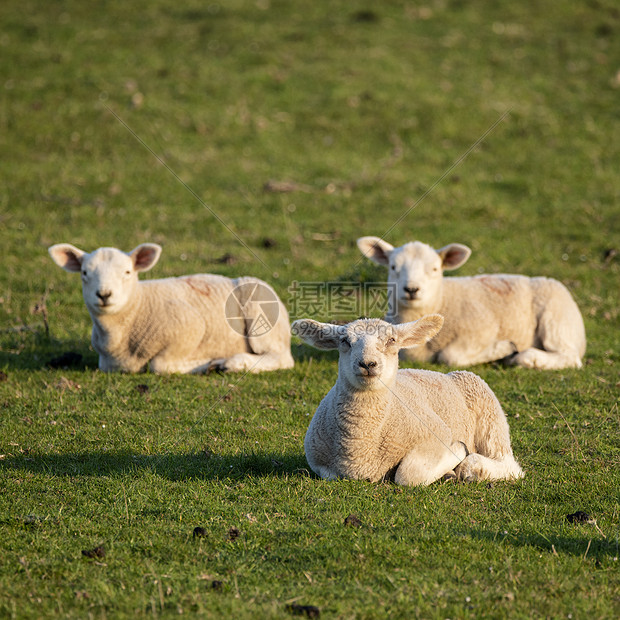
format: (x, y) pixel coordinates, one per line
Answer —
(478, 467)
(251, 362)
(547, 360)
(168, 366)
(108, 363)
(427, 463)
(459, 354)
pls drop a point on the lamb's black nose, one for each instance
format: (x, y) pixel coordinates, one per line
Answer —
(104, 295)
(411, 291)
(368, 365)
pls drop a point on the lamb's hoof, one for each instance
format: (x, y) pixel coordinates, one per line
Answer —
(511, 358)
(470, 470)
(530, 358)
(218, 366)
(468, 479)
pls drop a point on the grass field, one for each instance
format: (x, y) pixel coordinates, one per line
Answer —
(492, 124)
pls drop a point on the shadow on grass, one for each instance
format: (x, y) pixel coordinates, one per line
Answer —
(73, 355)
(592, 545)
(42, 352)
(171, 466)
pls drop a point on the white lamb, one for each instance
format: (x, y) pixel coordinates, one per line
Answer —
(416, 425)
(188, 324)
(529, 322)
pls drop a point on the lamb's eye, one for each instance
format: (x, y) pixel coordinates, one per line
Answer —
(390, 342)
(83, 272)
(127, 273)
(393, 267)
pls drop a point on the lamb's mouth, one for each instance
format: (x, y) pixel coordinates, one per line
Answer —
(368, 382)
(104, 306)
(369, 375)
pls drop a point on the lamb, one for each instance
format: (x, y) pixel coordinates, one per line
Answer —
(188, 324)
(527, 322)
(416, 425)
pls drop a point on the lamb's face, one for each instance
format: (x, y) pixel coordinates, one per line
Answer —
(108, 280)
(109, 276)
(415, 272)
(368, 347)
(415, 269)
(368, 354)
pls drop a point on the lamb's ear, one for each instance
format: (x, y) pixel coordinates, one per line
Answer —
(375, 249)
(454, 255)
(67, 256)
(320, 335)
(145, 256)
(418, 332)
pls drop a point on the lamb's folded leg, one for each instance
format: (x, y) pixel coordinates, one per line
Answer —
(456, 355)
(429, 462)
(546, 360)
(478, 467)
(249, 362)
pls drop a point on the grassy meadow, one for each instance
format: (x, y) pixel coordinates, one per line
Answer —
(262, 138)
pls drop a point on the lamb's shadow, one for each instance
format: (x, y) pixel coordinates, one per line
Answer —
(172, 466)
(45, 353)
(589, 543)
(77, 356)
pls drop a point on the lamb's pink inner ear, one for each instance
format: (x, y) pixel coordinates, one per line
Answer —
(67, 257)
(145, 256)
(320, 335)
(327, 339)
(454, 255)
(419, 332)
(73, 262)
(375, 249)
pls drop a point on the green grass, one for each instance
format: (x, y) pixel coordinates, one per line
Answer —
(371, 109)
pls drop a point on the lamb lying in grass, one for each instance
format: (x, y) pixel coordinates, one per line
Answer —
(189, 324)
(415, 424)
(529, 322)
